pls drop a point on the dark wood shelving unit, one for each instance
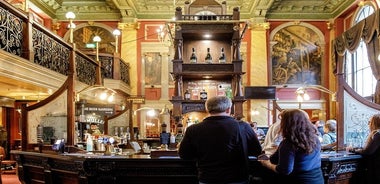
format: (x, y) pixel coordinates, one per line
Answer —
(225, 32)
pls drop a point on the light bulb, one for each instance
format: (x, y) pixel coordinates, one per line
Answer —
(96, 39)
(103, 96)
(306, 96)
(111, 98)
(299, 98)
(116, 32)
(151, 113)
(70, 15)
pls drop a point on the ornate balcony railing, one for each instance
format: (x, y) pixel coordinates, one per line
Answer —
(20, 36)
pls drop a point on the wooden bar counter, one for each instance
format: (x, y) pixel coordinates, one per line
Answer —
(72, 168)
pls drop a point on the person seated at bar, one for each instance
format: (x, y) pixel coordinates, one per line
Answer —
(259, 132)
(369, 170)
(329, 138)
(272, 138)
(220, 145)
(319, 124)
(298, 157)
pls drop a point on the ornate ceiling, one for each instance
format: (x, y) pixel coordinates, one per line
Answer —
(129, 10)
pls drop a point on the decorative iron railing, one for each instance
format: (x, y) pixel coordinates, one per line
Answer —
(11, 31)
(20, 36)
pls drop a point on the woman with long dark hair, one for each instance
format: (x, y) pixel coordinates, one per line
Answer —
(298, 157)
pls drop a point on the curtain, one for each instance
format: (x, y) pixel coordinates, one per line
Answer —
(366, 30)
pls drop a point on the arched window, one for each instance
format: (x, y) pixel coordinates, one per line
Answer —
(358, 73)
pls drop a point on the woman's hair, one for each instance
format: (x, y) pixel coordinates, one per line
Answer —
(330, 125)
(375, 122)
(218, 104)
(297, 128)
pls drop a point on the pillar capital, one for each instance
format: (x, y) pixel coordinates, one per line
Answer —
(258, 24)
(129, 26)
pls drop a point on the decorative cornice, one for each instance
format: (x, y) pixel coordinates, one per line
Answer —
(307, 9)
(49, 7)
(164, 9)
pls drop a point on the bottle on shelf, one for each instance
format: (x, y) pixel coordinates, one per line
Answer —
(208, 58)
(172, 138)
(195, 94)
(40, 132)
(222, 58)
(89, 143)
(128, 135)
(193, 57)
(127, 139)
(203, 95)
(187, 95)
(164, 136)
(228, 92)
(179, 136)
(221, 91)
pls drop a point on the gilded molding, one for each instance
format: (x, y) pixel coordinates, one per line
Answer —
(163, 9)
(129, 26)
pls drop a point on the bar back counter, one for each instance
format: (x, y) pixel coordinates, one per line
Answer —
(78, 168)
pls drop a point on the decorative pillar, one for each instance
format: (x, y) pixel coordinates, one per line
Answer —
(259, 68)
(165, 76)
(128, 52)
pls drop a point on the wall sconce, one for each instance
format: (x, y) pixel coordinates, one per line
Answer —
(116, 33)
(302, 95)
(71, 26)
(142, 108)
(161, 33)
(165, 33)
(151, 113)
(302, 92)
(97, 39)
(105, 94)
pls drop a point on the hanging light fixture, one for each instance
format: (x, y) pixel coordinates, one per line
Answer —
(106, 94)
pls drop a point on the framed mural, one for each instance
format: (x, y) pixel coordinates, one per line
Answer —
(152, 65)
(296, 56)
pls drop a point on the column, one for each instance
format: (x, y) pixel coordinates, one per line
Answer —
(259, 67)
(128, 52)
(165, 76)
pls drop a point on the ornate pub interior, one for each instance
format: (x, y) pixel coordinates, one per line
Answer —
(123, 79)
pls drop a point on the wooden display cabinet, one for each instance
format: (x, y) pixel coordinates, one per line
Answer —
(224, 31)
